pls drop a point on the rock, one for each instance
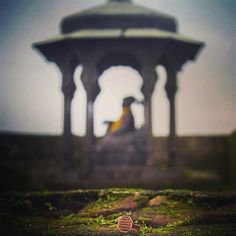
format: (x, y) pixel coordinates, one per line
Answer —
(158, 200)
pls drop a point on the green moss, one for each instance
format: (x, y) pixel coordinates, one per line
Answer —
(179, 212)
(201, 230)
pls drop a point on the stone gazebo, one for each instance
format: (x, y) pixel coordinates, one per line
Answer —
(118, 32)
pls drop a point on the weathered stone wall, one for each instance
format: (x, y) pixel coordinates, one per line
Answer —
(232, 159)
(25, 158)
(30, 161)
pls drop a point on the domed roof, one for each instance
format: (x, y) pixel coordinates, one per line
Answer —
(118, 14)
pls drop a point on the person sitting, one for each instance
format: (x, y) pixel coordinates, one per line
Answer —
(125, 124)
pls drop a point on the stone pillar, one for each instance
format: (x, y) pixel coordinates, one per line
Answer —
(90, 80)
(149, 76)
(67, 67)
(171, 89)
(90, 120)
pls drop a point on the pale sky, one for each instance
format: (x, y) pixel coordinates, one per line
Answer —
(30, 97)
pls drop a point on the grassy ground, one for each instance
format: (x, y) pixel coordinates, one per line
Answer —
(96, 212)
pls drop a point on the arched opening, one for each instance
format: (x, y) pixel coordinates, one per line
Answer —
(79, 105)
(160, 110)
(116, 83)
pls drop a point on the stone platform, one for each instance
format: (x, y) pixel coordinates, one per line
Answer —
(96, 212)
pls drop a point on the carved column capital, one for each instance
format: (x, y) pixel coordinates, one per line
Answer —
(89, 79)
(67, 67)
(171, 82)
(149, 76)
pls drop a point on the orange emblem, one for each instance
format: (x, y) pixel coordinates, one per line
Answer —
(125, 224)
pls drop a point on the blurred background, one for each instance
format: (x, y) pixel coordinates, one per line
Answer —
(31, 102)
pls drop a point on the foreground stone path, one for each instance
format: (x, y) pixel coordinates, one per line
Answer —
(96, 212)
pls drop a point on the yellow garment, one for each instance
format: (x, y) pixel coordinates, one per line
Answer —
(117, 124)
